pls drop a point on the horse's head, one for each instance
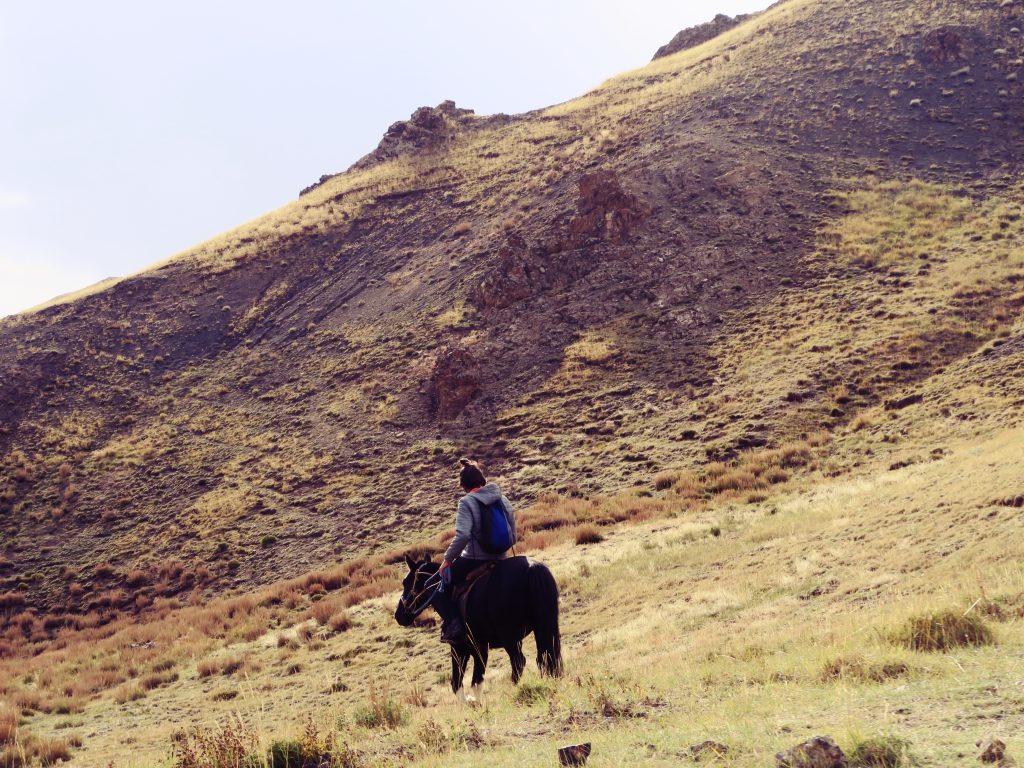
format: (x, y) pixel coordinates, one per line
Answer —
(417, 590)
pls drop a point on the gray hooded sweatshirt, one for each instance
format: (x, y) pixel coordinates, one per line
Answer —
(467, 522)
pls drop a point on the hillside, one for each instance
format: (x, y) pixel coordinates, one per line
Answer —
(752, 311)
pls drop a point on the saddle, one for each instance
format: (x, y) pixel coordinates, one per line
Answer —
(462, 591)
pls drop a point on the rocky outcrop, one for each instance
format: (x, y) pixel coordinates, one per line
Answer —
(515, 276)
(605, 211)
(947, 45)
(428, 127)
(819, 752)
(694, 36)
(454, 382)
(314, 185)
(605, 215)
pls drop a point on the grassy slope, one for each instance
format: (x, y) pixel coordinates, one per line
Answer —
(673, 635)
(907, 288)
(698, 637)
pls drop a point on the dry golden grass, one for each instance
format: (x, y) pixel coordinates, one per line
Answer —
(589, 351)
(894, 221)
(19, 748)
(8, 725)
(588, 534)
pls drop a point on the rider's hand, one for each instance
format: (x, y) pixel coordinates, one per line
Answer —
(444, 566)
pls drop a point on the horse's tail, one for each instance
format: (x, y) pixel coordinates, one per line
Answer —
(544, 605)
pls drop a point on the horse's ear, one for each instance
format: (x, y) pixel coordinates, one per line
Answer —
(411, 563)
(430, 559)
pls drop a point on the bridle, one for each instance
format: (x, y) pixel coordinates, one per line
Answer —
(432, 585)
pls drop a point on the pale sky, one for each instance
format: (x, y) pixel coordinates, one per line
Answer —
(133, 130)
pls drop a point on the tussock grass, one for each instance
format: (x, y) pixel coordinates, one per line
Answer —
(752, 568)
(232, 743)
(751, 471)
(856, 668)
(129, 692)
(891, 221)
(943, 630)
(325, 596)
(434, 737)
(530, 693)
(785, 660)
(207, 668)
(588, 534)
(8, 725)
(590, 350)
(19, 748)
(382, 710)
(339, 622)
(884, 751)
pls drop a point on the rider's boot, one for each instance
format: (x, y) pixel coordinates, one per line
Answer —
(453, 629)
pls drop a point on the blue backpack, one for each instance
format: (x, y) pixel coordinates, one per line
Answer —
(495, 535)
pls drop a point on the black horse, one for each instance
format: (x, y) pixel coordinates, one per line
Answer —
(519, 597)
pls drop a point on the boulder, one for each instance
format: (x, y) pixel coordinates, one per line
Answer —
(819, 752)
(576, 754)
(948, 44)
(992, 750)
(708, 750)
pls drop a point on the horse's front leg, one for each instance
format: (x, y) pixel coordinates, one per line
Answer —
(460, 658)
(479, 667)
(518, 660)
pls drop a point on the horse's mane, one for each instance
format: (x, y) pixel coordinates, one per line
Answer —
(428, 566)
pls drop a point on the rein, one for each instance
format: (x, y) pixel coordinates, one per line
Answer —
(433, 582)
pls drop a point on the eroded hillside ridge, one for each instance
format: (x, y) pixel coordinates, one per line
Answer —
(428, 128)
(547, 292)
(701, 33)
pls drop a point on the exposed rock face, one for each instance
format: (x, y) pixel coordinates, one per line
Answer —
(605, 215)
(819, 752)
(947, 44)
(454, 382)
(694, 36)
(514, 279)
(605, 211)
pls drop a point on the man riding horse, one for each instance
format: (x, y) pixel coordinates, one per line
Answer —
(515, 596)
(468, 550)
